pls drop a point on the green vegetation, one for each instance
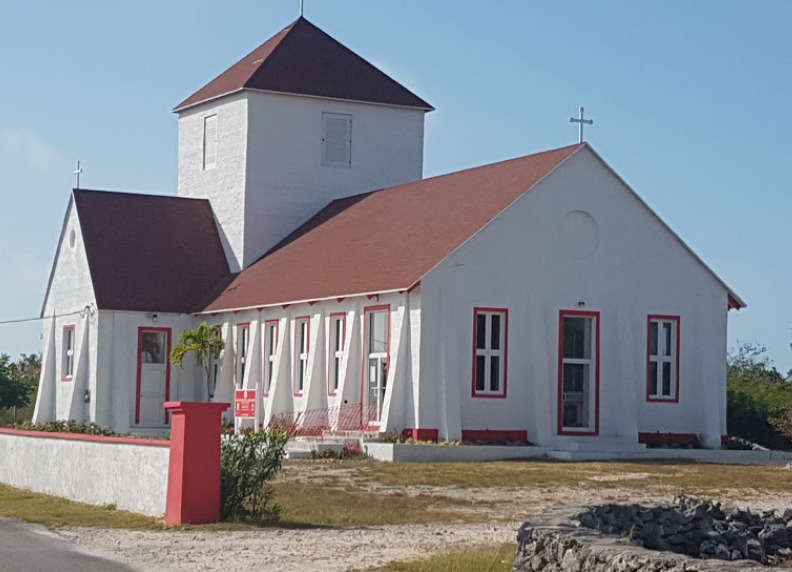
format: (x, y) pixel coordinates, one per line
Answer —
(207, 344)
(479, 559)
(759, 405)
(18, 383)
(248, 462)
(66, 427)
(55, 511)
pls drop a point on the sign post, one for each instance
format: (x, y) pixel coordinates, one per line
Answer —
(246, 406)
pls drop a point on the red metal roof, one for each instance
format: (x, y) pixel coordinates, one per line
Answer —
(385, 240)
(151, 253)
(302, 59)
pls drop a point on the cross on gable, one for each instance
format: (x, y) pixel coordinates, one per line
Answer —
(581, 121)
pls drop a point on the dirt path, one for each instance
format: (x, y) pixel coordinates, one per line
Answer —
(502, 510)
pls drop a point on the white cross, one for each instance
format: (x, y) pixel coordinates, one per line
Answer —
(77, 172)
(581, 121)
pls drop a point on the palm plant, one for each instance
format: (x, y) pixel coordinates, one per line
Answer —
(207, 344)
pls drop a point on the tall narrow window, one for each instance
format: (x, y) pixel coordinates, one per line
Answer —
(376, 334)
(210, 142)
(336, 140)
(662, 368)
(578, 373)
(336, 353)
(243, 335)
(270, 350)
(67, 364)
(302, 330)
(490, 327)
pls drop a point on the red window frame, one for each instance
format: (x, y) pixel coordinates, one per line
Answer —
(331, 357)
(560, 412)
(267, 365)
(297, 390)
(65, 357)
(504, 313)
(366, 351)
(237, 357)
(662, 318)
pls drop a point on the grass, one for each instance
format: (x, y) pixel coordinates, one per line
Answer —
(309, 504)
(55, 511)
(691, 478)
(479, 559)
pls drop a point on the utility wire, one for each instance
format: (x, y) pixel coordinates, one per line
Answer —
(88, 309)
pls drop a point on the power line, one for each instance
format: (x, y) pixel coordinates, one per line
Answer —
(88, 310)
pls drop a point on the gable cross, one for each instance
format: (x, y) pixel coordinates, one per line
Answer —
(580, 121)
(77, 172)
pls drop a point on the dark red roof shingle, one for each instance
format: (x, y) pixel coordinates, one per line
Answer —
(385, 240)
(151, 253)
(302, 59)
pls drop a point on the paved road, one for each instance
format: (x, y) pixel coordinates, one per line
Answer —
(30, 548)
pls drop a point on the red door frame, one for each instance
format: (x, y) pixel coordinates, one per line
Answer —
(366, 311)
(141, 331)
(560, 414)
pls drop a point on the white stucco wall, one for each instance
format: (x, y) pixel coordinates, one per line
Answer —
(69, 294)
(133, 477)
(269, 176)
(528, 261)
(224, 184)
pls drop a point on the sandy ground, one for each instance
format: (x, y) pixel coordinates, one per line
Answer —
(343, 549)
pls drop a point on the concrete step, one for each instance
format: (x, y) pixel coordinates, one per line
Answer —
(598, 444)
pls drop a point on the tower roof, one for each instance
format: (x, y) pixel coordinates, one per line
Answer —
(302, 59)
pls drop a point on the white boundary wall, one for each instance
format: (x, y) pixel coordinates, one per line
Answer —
(131, 475)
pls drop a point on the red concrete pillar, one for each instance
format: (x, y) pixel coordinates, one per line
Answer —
(194, 472)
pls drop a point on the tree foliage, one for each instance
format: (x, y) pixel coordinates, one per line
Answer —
(207, 344)
(759, 399)
(18, 380)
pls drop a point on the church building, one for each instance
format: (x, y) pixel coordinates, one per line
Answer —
(534, 299)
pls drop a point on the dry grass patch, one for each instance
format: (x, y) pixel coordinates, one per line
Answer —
(55, 511)
(478, 559)
(690, 478)
(317, 505)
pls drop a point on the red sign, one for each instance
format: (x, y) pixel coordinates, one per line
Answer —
(245, 404)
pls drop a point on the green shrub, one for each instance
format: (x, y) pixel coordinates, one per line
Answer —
(248, 462)
(66, 427)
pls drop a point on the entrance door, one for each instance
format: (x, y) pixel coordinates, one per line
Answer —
(578, 386)
(377, 342)
(153, 377)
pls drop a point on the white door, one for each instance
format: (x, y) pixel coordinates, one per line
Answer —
(377, 362)
(153, 377)
(578, 387)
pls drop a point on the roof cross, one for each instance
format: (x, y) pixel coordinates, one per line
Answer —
(301, 8)
(581, 121)
(77, 172)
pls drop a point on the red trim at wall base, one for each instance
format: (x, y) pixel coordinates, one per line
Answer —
(422, 434)
(668, 439)
(495, 435)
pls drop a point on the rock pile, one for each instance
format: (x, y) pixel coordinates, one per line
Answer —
(698, 528)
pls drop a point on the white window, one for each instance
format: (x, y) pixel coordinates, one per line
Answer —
(243, 335)
(337, 333)
(301, 354)
(663, 359)
(209, 142)
(68, 353)
(336, 140)
(489, 357)
(270, 349)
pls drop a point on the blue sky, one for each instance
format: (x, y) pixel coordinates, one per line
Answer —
(691, 103)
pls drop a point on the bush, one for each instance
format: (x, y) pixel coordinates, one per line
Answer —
(66, 427)
(248, 462)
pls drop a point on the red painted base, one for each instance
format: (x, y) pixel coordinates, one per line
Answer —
(422, 434)
(668, 439)
(495, 435)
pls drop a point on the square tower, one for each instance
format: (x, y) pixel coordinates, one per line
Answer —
(297, 123)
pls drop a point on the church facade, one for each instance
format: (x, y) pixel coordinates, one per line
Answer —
(537, 298)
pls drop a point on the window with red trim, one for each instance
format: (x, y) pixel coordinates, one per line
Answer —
(490, 340)
(662, 361)
(67, 362)
(243, 337)
(270, 349)
(301, 333)
(336, 353)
